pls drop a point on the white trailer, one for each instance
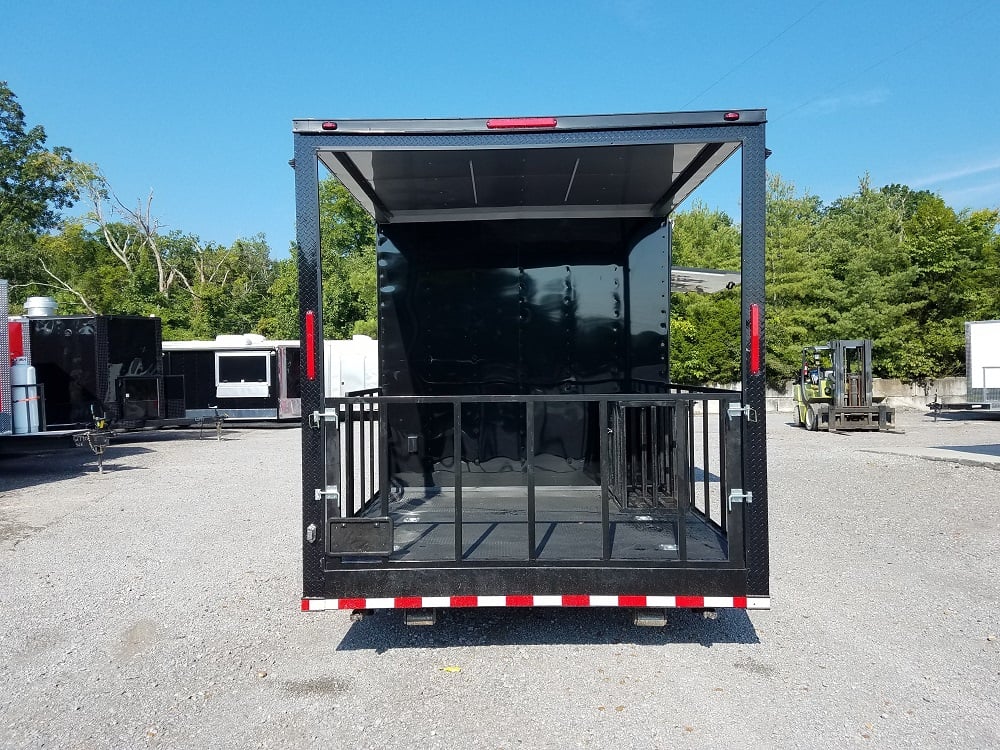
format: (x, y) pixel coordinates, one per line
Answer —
(982, 362)
(249, 377)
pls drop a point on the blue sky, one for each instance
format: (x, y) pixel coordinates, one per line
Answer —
(194, 100)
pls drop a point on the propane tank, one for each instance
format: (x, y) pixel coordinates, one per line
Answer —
(24, 396)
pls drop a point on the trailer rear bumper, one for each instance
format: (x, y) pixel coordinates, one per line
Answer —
(522, 600)
(534, 585)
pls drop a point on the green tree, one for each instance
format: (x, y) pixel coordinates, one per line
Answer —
(347, 246)
(35, 182)
(705, 328)
(801, 293)
(984, 284)
(280, 315)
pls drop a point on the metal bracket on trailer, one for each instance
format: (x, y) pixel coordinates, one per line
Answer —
(333, 494)
(735, 410)
(737, 495)
(318, 417)
(331, 501)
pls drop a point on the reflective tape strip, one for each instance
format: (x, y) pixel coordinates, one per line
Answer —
(541, 600)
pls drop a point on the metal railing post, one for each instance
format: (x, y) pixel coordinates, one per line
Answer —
(457, 452)
(529, 426)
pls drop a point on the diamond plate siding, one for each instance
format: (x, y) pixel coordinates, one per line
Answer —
(727, 134)
(310, 296)
(754, 442)
(102, 348)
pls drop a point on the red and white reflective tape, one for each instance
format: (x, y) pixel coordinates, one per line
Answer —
(529, 600)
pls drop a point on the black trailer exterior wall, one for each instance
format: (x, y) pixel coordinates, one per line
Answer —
(106, 365)
(528, 447)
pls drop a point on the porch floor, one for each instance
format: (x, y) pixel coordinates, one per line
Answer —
(567, 527)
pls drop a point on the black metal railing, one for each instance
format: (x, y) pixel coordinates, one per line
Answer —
(664, 453)
(357, 468)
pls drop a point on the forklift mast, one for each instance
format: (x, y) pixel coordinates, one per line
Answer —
(852, 372)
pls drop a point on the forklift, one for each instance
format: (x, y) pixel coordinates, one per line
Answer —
(834, 391)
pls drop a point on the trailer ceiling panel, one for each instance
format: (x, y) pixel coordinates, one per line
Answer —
(635, 180)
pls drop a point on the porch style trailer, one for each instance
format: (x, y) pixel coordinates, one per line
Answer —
(529, 447)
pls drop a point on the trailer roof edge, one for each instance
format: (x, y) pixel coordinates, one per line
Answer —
(731, 117)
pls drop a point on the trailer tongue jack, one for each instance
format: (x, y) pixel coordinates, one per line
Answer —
(97, 440)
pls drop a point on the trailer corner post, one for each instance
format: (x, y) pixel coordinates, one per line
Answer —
(307, 235)
(753, 225)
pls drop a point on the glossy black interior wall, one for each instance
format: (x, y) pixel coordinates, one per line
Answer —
(545, 306)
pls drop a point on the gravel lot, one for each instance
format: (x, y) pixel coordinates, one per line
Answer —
(156, 605)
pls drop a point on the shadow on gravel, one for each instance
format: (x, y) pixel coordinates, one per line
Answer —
(18, 472)
(983, 450)
(977, 415)
(386, 630)
(165, 436)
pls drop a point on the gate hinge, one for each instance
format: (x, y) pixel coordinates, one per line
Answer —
(333, 494)
(318, 417)
(311, 533)
(735, 410)
(737, 495)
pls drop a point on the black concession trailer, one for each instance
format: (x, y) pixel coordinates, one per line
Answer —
(244, 377)
(526, 446)
(108, 366)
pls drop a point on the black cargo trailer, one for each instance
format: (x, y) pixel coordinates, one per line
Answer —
(525, 446)
(102, 366)
(244, 377)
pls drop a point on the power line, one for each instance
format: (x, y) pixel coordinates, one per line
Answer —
(935, 32)
(756, 52)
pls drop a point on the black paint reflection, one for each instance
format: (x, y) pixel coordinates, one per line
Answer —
(521, 307)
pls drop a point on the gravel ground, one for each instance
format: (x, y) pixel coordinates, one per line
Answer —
(156, 605)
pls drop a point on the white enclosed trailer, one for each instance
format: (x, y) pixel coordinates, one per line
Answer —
(982, 362)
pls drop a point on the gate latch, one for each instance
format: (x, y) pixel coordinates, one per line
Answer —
(734, 410)
(318, 417)
(737, 495)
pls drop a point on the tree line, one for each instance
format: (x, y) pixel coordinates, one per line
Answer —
(891, 264)
(113, 257)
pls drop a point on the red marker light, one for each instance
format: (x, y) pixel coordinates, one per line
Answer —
(509, 123)
(329, 125)
(731, 116)
(755, 339)
(310, 326)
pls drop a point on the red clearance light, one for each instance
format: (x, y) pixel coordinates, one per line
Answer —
(755, 339)
(329, 125)
(310, 326)
(507, 123)
(731, 116)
